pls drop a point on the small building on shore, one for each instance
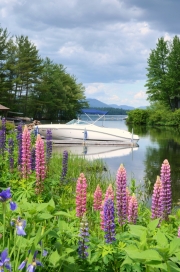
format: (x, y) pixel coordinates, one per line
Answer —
(3, 111)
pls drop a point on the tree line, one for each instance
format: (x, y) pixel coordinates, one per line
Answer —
(163, 77)
(37, 87)
(113, 111)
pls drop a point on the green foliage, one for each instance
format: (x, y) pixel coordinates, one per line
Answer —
(138, 116)
(163, 73)
(9, 126)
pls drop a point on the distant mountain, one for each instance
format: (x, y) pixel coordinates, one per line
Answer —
(124, 107)
(94, 103)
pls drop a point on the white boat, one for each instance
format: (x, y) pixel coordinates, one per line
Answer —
(84, 130)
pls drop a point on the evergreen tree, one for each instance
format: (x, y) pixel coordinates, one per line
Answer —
(3, 56)
(158, 86)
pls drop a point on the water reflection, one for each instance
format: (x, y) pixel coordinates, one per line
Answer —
(92, 152)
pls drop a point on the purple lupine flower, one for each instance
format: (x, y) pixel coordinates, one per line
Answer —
(26, 153)
(157, 200)
(48, 146)
(3, 136)
(20, 225)
(40, 165)
(6, 195)
(179, 232)
(4, 261)
(11, 153)
(64, 165)
(166, 183)
(33, 158)
(121, 197)
(133, 210)
(19, 140)
(109, 225)
(84, 234)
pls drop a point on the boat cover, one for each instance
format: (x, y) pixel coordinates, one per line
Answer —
(94, 111)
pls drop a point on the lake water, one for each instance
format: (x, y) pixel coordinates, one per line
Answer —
(143, 163)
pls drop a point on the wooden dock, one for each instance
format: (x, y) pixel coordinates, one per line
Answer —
(82, 142)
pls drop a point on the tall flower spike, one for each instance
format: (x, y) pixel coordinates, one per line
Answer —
(11, 153)
(166, 183)
(48, 146)
(19, 141)
(157, 201)
(97, 198)
(109, 225)
(121, 198)
(128, 198)
(133, 210)
(64, 165)
(33, 158)
(109, 194)
(3, 136)
(81, 195)
(84, 233)
(26, 153)
(40, 165)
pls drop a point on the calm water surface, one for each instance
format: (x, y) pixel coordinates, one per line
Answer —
(142, 163)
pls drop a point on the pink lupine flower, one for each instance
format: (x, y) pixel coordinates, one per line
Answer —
(26, 153)
(179, 232)
(166, 183)
(81, 195)
(128, 197)
(40, 165)
(108, 195)
(97, 198)
(121, 200)
(157, 201)
(133, 210)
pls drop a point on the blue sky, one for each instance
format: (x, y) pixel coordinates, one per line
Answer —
(105, 44)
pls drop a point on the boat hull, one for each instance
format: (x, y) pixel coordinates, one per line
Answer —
(88, 132)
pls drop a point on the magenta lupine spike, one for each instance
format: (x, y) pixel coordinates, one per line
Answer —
(121, 199)
(40, 165)
(26, 153)
(179, 232)
(133, 210)
(128, 197)
(157, 201)
(81, 195)
(108, 195)
(97, 198)
(166, 183)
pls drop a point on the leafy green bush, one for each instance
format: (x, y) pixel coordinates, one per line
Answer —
(138, 116)
(9, 126)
